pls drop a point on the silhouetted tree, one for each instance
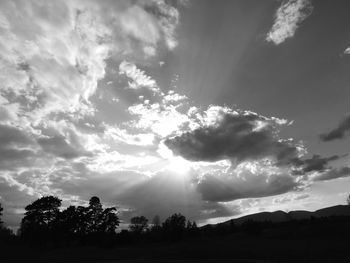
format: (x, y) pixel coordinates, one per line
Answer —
(93, 215)
(188, 225)
(72, 222)
(192, 228)
(156, 221)
(348, 200)
(1, 209)
(6, 234)
(90, 220)
(138, 224)
(174, 226)
(40, 218)
(110, 220)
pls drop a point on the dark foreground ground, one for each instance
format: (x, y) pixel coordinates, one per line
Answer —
(319, 243)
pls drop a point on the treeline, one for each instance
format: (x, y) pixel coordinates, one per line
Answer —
(45, 223)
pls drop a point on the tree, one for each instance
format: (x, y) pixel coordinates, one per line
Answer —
(138, 224)
(174, 226)
(40, 218)
(101, 220)
(188, 225)
(82, 221)
(1, 209)
(156, 221)
(43, 221)
(110, 220)
(72, 221)
(94, 214)
(192, 228)
(348, 200)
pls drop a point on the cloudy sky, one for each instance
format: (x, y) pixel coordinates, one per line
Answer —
(214, 109)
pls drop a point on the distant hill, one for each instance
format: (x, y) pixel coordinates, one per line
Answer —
(280, 216)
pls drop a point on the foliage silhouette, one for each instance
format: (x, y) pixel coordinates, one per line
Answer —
(174, 226)
(1, 209)
(156, 221)
(40, 219)
(6, 235)
(138, 224)
(43, 222)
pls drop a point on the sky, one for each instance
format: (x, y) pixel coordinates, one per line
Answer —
(214, 109)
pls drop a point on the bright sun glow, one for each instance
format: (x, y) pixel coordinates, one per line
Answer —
(176, 164)
(179, 165)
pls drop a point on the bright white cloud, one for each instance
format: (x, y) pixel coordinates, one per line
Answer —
(288, 17)
(53, 55)
(138, 78)
(347, 51)
(162, 120)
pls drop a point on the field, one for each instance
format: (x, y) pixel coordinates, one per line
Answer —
(328, 242)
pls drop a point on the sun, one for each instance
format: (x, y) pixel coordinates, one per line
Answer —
(175, 164)
(179, 165)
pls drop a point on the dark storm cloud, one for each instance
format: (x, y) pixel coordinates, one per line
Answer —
(14, 147)
(316, 163)
(334, 174)
(229, 187)
(239, 137)
(339, 132)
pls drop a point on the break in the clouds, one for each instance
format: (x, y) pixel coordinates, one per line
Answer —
(288, 18)
(339, 132)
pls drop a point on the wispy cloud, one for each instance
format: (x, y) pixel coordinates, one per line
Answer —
(339, 132)
(333, 174)
(288, 17)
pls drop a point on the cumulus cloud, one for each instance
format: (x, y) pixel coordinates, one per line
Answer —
(161, 119)
(53, 55)
(55, 137)
(339, 132)
(288, 17)
(234, 135)
(333, 174)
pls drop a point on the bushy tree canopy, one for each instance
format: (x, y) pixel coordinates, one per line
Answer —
(138, 224)
(43, 220)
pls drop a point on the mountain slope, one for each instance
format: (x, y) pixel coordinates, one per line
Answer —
(281, 216)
